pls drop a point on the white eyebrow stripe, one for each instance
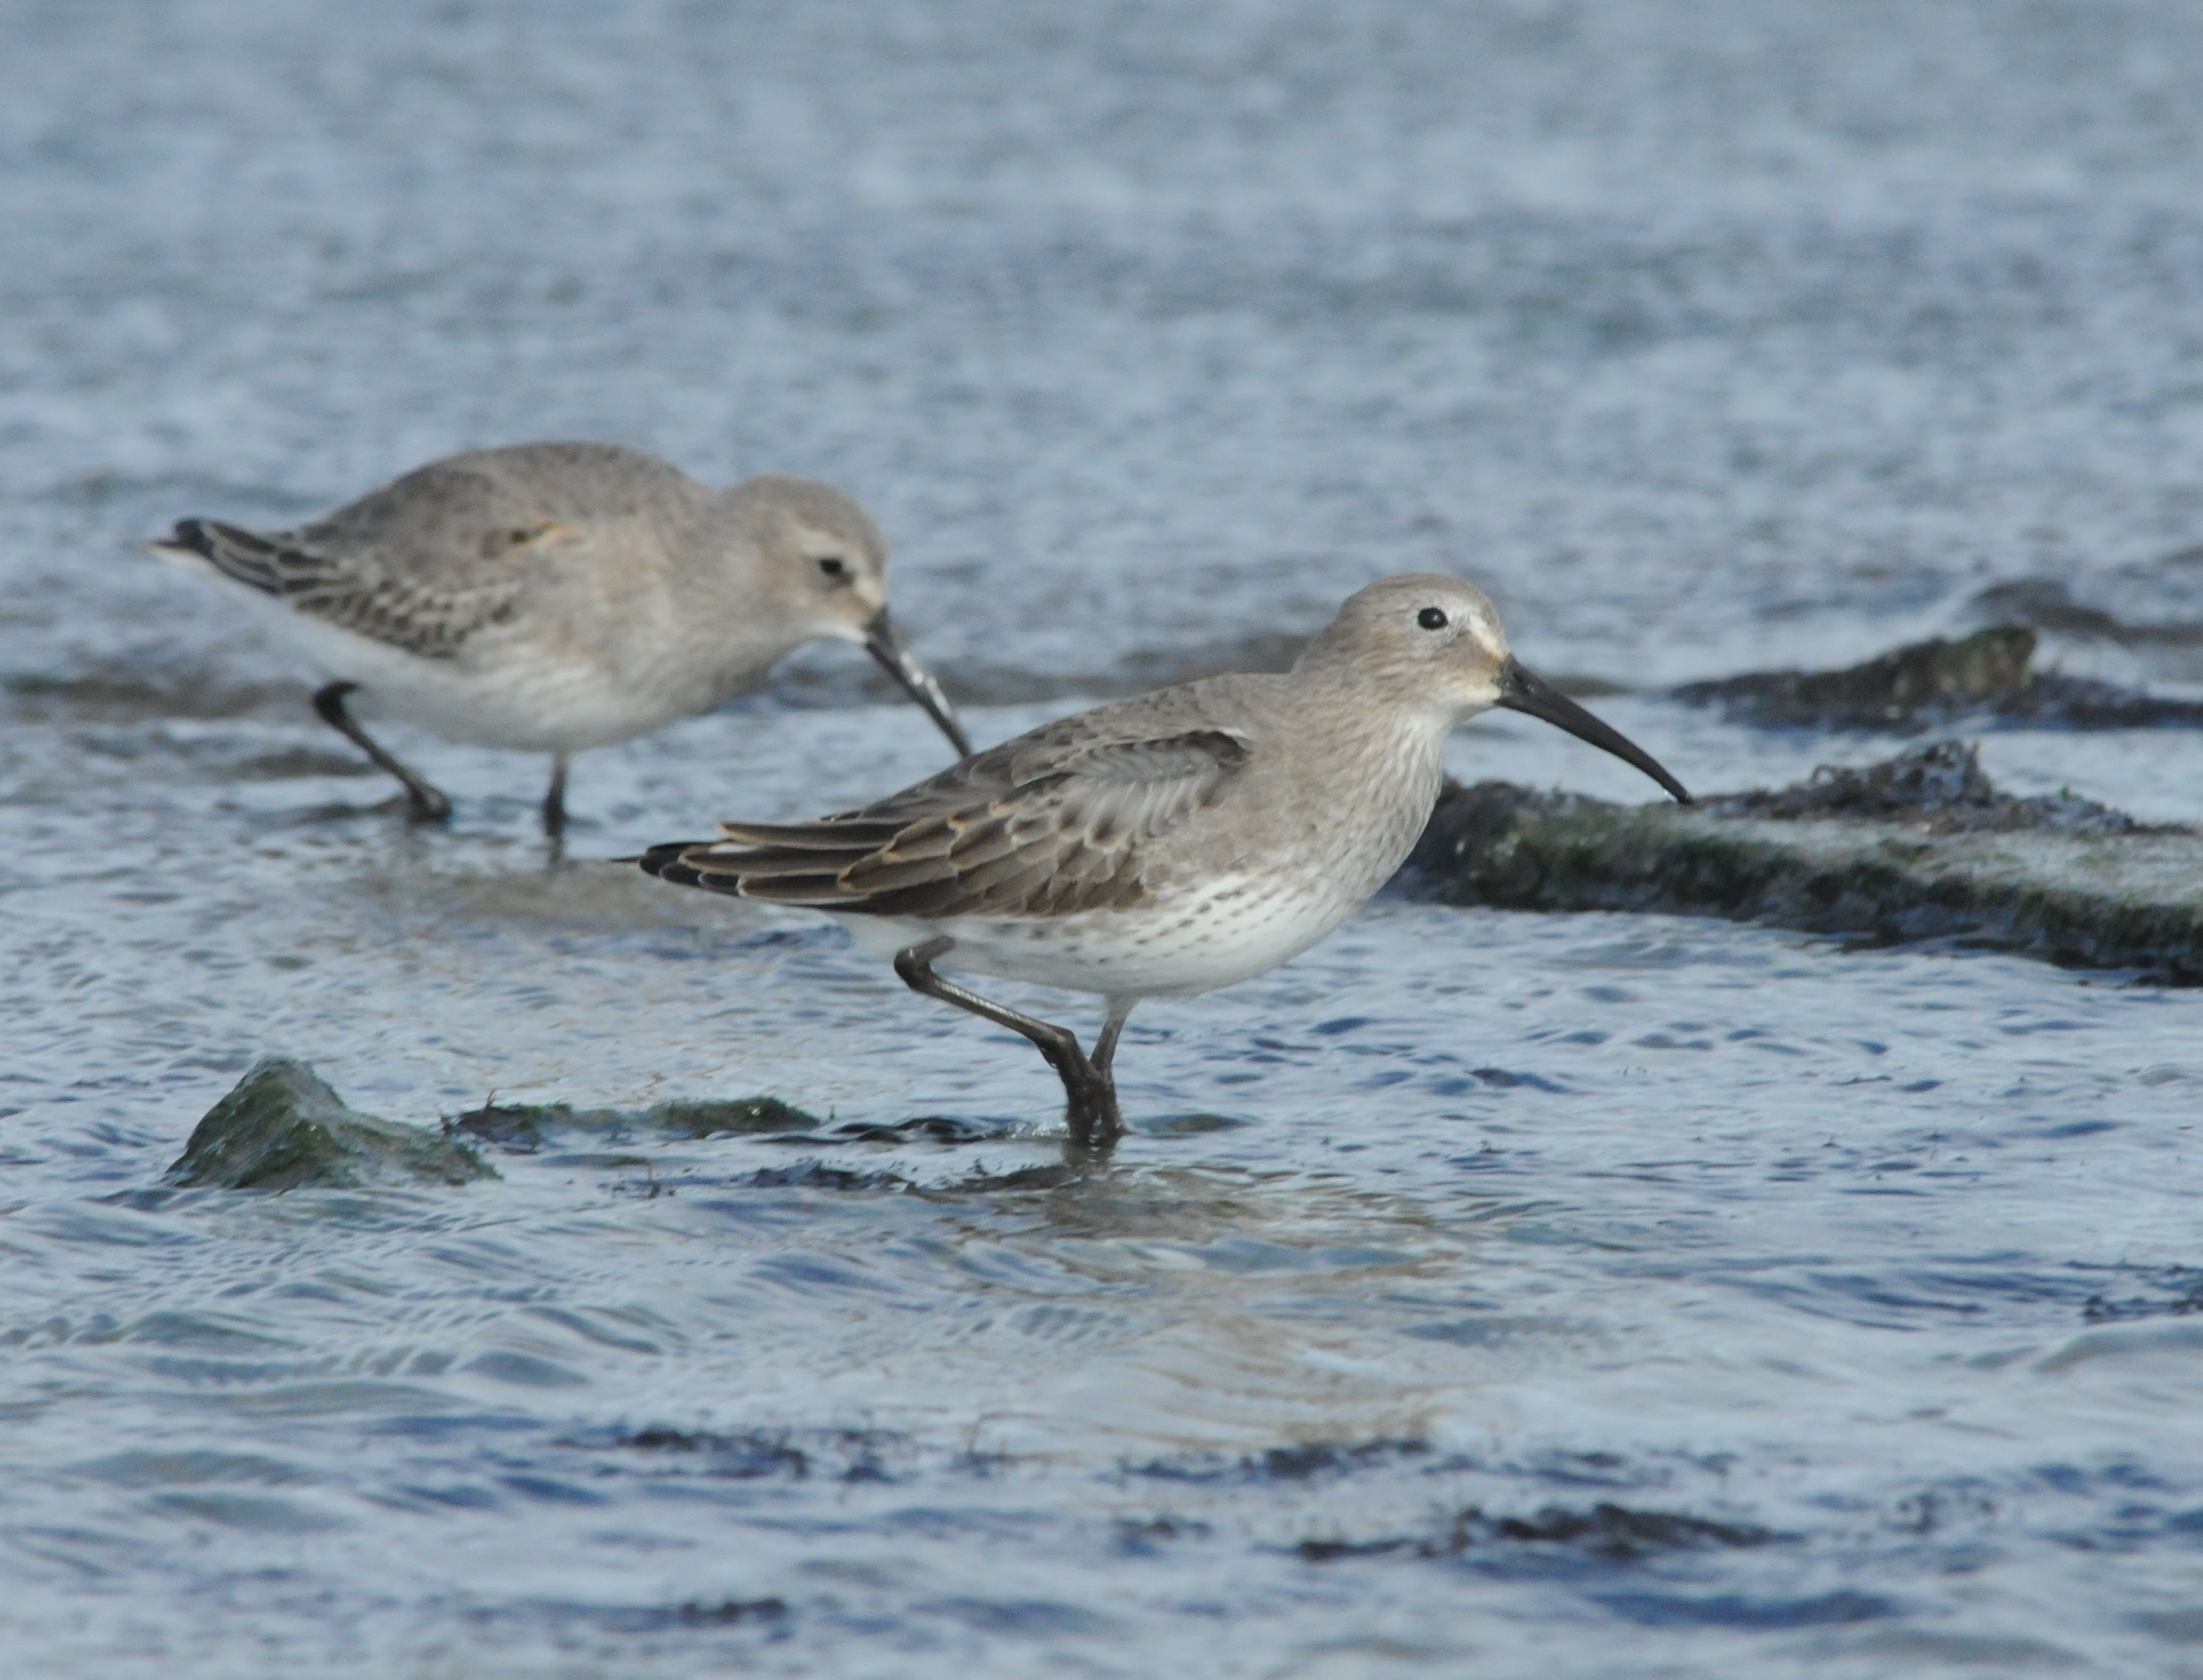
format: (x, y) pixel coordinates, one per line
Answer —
(1485, 625)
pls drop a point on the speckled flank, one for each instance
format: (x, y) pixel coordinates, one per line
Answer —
(1239, 928)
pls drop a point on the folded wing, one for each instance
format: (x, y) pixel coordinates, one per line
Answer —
(1045, 825)
(421, 565)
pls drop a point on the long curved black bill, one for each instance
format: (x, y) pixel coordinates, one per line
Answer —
(885, 644)
(1520, 690)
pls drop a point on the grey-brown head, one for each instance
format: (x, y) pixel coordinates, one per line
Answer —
(1432, 643)
(820, 566)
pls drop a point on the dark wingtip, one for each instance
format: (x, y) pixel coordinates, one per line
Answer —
(190, 533)
(659, 859)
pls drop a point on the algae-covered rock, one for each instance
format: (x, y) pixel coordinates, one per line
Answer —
(1987, 675)
(1940, 789)
(708, 1117)
(282, 1128)
(1923, 847)
(524, 1127)
(1899, 689)
(2043, 603)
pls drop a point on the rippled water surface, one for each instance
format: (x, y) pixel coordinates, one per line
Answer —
(1479, 1293)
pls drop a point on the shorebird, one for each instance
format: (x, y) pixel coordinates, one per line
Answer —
(550, 598)
(1164, 846)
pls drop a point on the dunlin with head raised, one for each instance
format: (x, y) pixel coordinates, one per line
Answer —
(1163, 846)
(554, 597)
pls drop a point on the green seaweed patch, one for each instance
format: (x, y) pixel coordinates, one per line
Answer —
(283, 1129)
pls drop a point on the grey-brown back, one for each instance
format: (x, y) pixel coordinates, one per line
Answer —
(466, 521)
(1099, 810)
(434, 559)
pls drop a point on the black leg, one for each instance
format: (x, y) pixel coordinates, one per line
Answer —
(1090, 1108)
(424, 803)
(1105, 1048)
(554, 799)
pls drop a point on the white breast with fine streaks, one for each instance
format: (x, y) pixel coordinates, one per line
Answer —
(1232, 928)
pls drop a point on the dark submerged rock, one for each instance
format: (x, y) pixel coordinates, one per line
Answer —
(729, 1612)
(2176, 1291)
(823, 1175)
(739, 1457)
(840, 1455)
(1987, 675)
(2056, 702)
(1608, 1532)
(2047, 603)
(1941, 790)
(710, 1118)
(1897, 689)
(1616, 1532)
(944, 1129)
(1920, 847)
(1312, 1461)
(283, 1129)
(524, 1127)
(1146, 1538)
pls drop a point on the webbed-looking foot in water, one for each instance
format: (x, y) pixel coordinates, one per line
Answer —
(1164, 846)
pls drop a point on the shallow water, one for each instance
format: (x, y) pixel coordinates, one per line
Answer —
(1480, 1292)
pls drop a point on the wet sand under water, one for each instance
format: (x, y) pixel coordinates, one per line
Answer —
(1487, 1292)
(1478, 1280)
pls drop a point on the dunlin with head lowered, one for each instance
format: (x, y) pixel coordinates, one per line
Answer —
(553, 597)
(1163, 846)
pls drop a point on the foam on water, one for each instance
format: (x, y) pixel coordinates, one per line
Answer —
(1480, 1290)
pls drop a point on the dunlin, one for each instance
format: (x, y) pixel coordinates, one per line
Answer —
(1163, 846)
(554, 597)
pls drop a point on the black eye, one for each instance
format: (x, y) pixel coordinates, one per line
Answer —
(1430, 619)
(834, 566)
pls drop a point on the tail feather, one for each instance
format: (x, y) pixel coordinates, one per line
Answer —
(235, 552)
(789, 877)
(667, 862)
(817, 891)
(831, 834)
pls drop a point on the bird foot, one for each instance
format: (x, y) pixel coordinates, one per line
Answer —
(1090, 1112)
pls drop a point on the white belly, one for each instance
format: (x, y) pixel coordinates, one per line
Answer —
(502, 694)
(1233, 930)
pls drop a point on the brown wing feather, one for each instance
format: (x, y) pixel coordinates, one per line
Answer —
(1046, 824)
(356, 594)
(829, 834)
